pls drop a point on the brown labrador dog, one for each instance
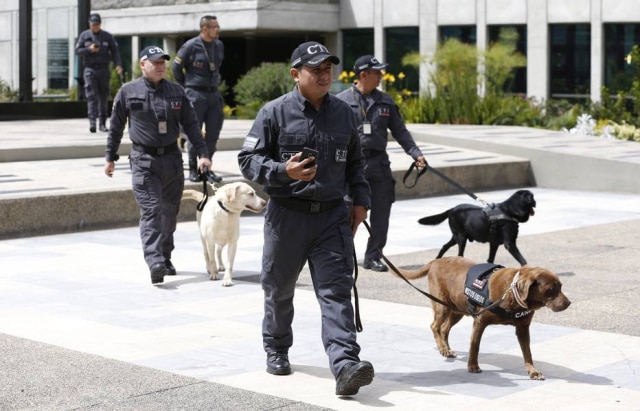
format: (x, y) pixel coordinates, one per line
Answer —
(533, 288)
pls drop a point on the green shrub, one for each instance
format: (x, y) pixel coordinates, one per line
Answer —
(6, 94)
(260, 85)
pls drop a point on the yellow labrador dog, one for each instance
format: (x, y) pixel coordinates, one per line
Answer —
(219, 224)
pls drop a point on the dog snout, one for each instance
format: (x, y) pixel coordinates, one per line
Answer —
(560, 303)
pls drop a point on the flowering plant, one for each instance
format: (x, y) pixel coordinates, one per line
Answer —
(388, 84)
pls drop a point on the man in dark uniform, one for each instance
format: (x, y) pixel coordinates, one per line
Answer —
(197, 68)
(98, 48)
(376, 112)
(307, 220)
(155, 109)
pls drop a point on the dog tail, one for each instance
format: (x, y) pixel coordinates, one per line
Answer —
(435, 219)
(415, 274)
(192, 195)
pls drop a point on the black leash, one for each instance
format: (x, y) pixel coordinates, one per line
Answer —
(395, 270)
(442, 176)
(205, 190)
(426, 294)
(420, 171)
(355, 294)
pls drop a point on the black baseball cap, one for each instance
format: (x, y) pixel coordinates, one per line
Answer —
(368, 62)
(311, 54)
(95, 18)
(153, 53)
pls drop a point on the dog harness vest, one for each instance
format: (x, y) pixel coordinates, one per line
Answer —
(495, 214)
(475, 287)
(477, 291)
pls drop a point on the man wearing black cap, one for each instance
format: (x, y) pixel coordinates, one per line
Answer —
(197, 68)
(155, 109)
(376, 113)
(307, 221)
(98, 48)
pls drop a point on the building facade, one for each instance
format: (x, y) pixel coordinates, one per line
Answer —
(573, 47)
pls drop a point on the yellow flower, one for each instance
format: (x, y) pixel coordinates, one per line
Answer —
(628, 58)
(401, 75)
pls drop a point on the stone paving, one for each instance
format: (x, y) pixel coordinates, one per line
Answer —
(83, 328)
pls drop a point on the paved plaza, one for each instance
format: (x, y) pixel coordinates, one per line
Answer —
(83, 328)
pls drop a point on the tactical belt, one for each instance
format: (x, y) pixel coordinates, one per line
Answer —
(372, 153)
(156, 151)
(98, 66)
(306, 206)
(203, 88)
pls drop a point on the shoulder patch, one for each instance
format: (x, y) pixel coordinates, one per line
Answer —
(250, 142)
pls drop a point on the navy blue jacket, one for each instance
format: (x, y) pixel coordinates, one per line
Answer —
(191, 67)
(144, 106)
(283, 127)
(381, 111)
(107, 53)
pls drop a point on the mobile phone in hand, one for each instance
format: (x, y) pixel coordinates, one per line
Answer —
(309, 152)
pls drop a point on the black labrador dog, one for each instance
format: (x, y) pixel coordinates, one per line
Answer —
(495, 224)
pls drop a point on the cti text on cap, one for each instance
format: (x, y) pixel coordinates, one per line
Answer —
(311, 54)
(153, 53)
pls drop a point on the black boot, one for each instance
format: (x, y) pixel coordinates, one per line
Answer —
(103, 125)
(193, 171)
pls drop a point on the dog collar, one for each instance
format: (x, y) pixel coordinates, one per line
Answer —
(223, 207)
(516, 294)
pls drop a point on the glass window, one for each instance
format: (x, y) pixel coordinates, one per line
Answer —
(619, 39)
(400, 41)
(355, 43)
(519, 82)
(124, 46)
(570, 60)
(58, 64)
(466, 34)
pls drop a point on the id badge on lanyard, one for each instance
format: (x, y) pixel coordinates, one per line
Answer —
(162, 127)
(366, 128)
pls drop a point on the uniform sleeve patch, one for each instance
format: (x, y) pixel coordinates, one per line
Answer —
(250, 143)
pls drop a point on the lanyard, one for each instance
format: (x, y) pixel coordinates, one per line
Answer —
(153, 106)
(360, 98)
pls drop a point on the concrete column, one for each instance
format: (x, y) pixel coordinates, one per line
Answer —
(597, 50)
(481, 41)
(336, 41)
(135, 54)
(41, 51)
(537, 50)
(169, 45)
(379, 44)
(428, 29)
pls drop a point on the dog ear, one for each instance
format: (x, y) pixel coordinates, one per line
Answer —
(526, 281)
(231, 194)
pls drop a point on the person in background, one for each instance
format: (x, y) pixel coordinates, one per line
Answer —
(154, 109)
(376, 113)
(98, 48)
(307, 220)
(197, 68)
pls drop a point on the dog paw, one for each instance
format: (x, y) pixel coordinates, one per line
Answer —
(221, 268)
(213, 276)
(448, 353)
(226, 282)
(475, 368)
(536, 375)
